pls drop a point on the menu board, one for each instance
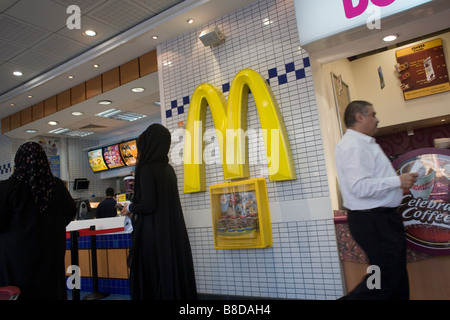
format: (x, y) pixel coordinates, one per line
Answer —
(422, 70)
(128, 150)
(111, 154)
(96, 160)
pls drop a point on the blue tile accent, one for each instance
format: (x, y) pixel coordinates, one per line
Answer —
(290, 67)
(300, 74)
(306, 62)
(282, 79)
(273, 73)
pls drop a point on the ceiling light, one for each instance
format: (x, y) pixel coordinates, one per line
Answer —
(120, 115)
(390, 38)
(30, 131)
(138, 89)
(267, 21)
(155, 37)
(96, 65)
(59, 130)
(77, 113)
(30, 96)
(52, 123)
(12, 104)
(70, 76)
(90, 33)
(105, 102)
(190, 21)
(17, 73)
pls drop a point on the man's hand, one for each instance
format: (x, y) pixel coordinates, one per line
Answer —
(408, 179)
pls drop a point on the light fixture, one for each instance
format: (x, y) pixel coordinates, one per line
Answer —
(120, 115)
(105, 102)
(390, 38)
(30, 96)
(96, 65)
(52, 123)
(70, 76)
(155, 37)
(17, 73)
(12, 104)
(90, 33)
(267, 21)
(138, 89)
(190, 21)
(77, 113)
(31, 131)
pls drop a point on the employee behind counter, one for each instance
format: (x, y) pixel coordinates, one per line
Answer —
(107, 208)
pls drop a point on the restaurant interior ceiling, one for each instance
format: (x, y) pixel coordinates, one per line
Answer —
(36, 40)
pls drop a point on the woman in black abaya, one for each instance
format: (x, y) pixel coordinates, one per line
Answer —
(35, 208)
(160, 258)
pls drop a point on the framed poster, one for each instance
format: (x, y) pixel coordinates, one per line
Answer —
(240, 214)
(341, 98)
(422, 70)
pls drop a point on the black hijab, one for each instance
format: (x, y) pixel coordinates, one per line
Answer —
(153, 145)
(32, 168)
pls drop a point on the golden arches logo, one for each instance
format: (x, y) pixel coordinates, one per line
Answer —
(230, 122)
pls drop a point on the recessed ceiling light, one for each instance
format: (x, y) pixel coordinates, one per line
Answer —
(70, 76)
(138, 89)
(105, 102)
(90, 33)
(12, 104)
(155, 37)
(31, 131)
(30, 96)
(77, 113)
(52, 123)
(96, 65)
(190, 21)
(390, 38)
(17, 73)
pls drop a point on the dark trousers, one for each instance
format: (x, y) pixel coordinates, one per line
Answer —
(380, 233)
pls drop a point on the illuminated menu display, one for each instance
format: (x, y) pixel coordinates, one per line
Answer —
(128, 150)
(112, 157)
(96, 160)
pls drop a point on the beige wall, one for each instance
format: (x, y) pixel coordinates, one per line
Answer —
(362, 78)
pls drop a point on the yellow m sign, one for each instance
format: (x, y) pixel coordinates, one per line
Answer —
(230, 122)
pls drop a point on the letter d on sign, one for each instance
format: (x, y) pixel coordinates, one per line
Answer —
(74, 280)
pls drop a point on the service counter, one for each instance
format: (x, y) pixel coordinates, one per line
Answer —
(112, 246)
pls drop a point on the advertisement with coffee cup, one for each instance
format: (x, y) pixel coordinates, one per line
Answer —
(425, 207)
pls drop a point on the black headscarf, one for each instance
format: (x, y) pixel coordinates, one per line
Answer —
(32, 168)
(153, 145)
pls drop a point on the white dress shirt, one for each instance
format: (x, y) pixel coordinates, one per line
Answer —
(367, 178)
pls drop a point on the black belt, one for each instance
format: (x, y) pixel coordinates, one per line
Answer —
(375, 210)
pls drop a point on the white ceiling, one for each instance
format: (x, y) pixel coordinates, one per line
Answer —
(35, 39)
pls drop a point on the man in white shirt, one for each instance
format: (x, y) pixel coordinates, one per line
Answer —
(372, 191)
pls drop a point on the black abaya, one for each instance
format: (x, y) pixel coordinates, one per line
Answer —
(33, 243)
(161, 265)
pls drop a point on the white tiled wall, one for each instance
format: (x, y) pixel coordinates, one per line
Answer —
(303, 262)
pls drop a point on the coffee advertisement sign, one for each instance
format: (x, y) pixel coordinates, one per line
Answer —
(425, 207)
